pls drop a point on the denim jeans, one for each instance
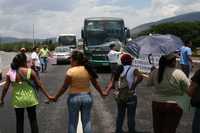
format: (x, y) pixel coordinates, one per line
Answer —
(196, 121)
(79, 102)
(44, 62)
(130, 106)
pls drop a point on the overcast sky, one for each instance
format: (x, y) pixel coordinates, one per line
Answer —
(53, 17)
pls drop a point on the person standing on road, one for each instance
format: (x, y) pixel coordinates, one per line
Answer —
(23, 94)
(113, 57)
(44, 54)
(186, 58)
(35, 60)
(126, 101)
(171, 99)
(77, 83)
(24, 51)
(194, 90)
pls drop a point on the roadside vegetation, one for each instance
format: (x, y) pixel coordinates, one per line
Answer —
(184, 30)
(15, 46)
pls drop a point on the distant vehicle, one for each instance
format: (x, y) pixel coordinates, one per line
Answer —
(98, 33)
(62, 54)
(67, 40)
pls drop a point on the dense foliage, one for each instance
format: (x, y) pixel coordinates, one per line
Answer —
(184, 30)
(28, 45)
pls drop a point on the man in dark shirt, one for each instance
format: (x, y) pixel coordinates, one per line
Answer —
(194, 89)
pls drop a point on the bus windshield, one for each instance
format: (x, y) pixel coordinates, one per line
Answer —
(67, 40)
(103, 25)
(99, 32)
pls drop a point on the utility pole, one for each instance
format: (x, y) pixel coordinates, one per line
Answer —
(33, 35)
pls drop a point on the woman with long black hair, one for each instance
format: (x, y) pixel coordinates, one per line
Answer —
(170, 100)
(23, 94)
(77, 83)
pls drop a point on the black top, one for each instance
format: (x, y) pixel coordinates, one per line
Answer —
(196, 77)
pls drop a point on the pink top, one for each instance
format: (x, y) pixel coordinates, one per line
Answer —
(12, 74)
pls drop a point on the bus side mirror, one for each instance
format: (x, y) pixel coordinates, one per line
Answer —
(82, 34)
(127, 33)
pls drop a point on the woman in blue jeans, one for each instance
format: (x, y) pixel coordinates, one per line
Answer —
(129, 102)
(77, 83)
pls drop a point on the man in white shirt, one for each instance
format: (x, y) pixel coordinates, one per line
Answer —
(113, 57)
(35, 60)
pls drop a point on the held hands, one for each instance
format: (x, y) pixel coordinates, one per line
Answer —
(104, 93)
(51, 99)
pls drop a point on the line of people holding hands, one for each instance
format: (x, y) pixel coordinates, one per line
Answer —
(173, 92)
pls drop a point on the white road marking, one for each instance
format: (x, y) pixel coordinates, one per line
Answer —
(2, 83)
(80, 128)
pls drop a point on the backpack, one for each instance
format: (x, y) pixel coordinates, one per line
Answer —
(122, 92)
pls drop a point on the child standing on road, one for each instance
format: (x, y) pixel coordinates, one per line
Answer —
(23, 95)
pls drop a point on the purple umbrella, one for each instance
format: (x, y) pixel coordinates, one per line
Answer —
(154, 44)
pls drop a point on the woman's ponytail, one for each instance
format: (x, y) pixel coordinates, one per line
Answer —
(82, 60)
(161, 69)
(89, 68)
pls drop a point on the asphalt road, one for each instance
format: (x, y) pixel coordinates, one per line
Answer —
(53, 117)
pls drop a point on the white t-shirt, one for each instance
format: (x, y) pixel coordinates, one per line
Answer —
(113, 56)
(34, 56)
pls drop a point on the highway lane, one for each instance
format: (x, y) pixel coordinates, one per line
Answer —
(53, 117)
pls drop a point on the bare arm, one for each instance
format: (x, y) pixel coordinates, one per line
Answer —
(39, 84)
(190, 59)
(110, 86)
(5, 89)
(138, 78)
(63, 88)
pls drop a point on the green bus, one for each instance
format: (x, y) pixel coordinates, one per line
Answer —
(98, 33)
